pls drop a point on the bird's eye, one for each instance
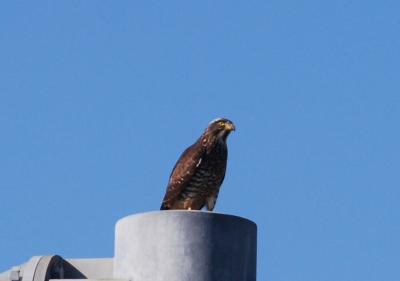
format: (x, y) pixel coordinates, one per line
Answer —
(221, 124)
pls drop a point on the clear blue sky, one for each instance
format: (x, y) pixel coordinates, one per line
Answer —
(99, 98)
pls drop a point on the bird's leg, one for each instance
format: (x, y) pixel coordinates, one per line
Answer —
(210, 203)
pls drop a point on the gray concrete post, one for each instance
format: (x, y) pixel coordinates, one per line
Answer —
(185, 246)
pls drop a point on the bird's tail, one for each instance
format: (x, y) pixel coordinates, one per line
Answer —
(164, 207)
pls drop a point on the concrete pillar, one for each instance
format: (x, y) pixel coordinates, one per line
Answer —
(185, 246)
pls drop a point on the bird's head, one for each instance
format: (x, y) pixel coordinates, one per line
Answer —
(220, 128)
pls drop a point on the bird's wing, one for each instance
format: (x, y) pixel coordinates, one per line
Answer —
(182, 172)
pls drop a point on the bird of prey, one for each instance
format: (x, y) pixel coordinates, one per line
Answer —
(199, 172)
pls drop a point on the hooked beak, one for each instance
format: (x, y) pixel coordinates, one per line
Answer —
(230, 127)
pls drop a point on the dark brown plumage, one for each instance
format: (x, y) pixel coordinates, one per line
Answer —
(199, 172)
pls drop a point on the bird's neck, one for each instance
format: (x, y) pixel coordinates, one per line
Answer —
(211, 142)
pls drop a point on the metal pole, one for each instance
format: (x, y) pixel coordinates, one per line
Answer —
(185, 245)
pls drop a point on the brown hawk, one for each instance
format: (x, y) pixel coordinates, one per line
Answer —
(199, 172)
